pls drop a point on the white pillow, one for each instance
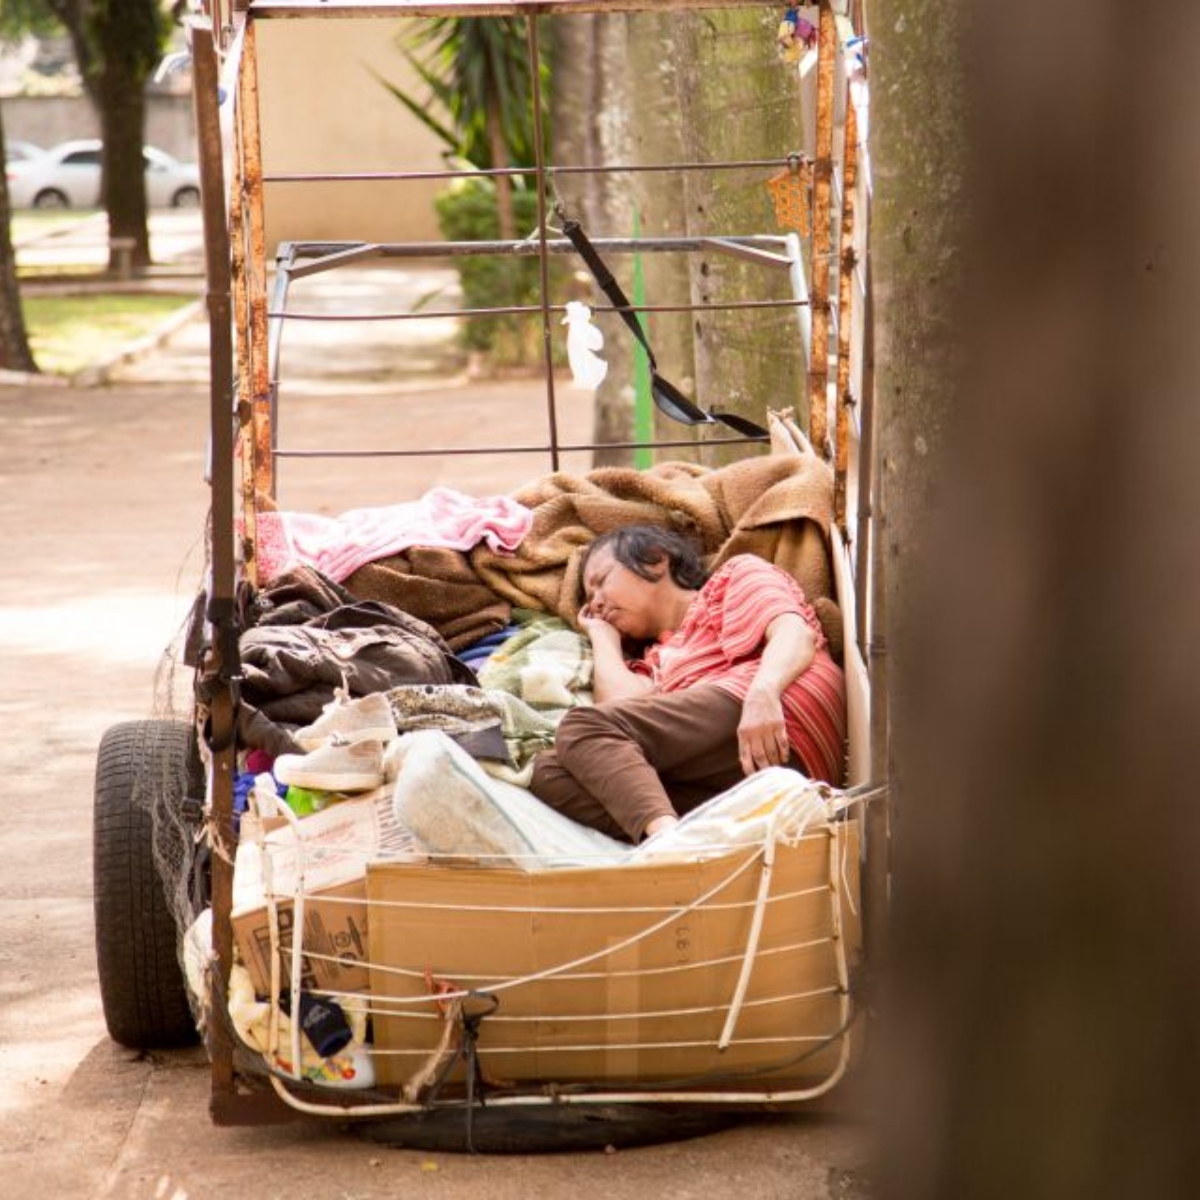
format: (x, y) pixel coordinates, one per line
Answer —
(454, 807)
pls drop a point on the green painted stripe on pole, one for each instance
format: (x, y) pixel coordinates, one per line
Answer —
(643, 407)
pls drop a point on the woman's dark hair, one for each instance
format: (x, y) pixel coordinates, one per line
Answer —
(641, 548)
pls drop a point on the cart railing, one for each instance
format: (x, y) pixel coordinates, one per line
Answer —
(829, 280)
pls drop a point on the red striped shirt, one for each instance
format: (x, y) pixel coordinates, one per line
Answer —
(721, 640)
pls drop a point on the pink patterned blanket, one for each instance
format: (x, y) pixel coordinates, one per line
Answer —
(338, 546)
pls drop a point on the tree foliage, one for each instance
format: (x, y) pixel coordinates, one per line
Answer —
(477, 72)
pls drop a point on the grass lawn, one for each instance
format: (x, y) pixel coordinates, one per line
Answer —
(68, 332)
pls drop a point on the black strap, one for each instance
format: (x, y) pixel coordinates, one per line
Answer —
(612, 289)
(608, 285)
(475, 1006)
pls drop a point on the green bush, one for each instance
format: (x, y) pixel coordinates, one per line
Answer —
(466, 212)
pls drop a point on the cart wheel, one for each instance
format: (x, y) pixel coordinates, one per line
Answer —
(553, 1129)
(139, 764)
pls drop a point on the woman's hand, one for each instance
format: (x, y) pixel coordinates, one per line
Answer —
(611, 678)
(600, 633)
(762, 734)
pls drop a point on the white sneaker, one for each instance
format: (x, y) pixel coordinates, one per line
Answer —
(334, 767)
(367, 719)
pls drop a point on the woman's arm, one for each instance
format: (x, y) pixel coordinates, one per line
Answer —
(762, 735)
(612, 679)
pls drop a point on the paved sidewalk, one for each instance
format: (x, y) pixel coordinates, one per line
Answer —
(332, 356)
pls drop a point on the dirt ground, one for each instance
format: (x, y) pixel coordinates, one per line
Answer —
(102, 509)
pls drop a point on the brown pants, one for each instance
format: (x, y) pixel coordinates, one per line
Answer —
(617, 766)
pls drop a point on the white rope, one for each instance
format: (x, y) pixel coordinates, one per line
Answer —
(555, 1018)
(632, 940)
(589, 910)
(739, 992)
(801, 817)
(796, 1039)
(483, 980)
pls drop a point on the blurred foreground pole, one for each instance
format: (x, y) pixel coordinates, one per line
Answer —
(1042, 558)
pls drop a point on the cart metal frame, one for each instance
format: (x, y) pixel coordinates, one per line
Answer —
(830, 293)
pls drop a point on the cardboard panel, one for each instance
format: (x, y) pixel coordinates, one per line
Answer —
(335, 846)
(616, 974)
(335, 927)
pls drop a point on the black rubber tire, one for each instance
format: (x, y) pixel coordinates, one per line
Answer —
(139, 764)
(51, 198)
(555, 1129)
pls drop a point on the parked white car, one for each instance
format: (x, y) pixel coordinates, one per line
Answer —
(68, 176)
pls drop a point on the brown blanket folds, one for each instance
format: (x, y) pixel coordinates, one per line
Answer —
(778, 506)
(440, 587)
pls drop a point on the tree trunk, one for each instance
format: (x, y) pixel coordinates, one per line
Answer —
(593, 82)
(15, 354)
(662, 88)
(504, 204)
(654, 119)
(127, 38)
(123, 187)
(737, 101)
(1044, 1002)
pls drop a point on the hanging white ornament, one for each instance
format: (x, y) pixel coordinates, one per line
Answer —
(583, 340)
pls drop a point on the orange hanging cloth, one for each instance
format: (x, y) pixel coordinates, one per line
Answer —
(791, 192)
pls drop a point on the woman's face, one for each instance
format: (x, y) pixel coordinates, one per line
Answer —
(631, 604)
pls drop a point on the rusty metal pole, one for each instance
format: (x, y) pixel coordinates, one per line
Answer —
(218, 666)
(871, 589)
(262, 482)
(241, 312)
(864, 524)
(818, 363)
(845, 398)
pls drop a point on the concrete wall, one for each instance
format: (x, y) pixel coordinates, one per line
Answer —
(323, 109)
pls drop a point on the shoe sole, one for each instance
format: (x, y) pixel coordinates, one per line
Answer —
(380, 734)
(320, 782)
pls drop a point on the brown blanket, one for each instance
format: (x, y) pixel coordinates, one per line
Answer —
(778, 506)
(440, 587)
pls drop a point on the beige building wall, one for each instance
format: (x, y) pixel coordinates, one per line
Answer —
(323, 109)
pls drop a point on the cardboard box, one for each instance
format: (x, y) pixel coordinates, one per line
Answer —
(621, 975)
(335, 940)
(336, 844)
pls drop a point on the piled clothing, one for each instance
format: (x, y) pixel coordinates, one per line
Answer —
(546, 663)
(526, 686)
(439, 586)
(308, 643)
(499, 729)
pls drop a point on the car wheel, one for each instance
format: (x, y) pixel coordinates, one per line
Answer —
(186, 197)
(51, 198)
(140, 765)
